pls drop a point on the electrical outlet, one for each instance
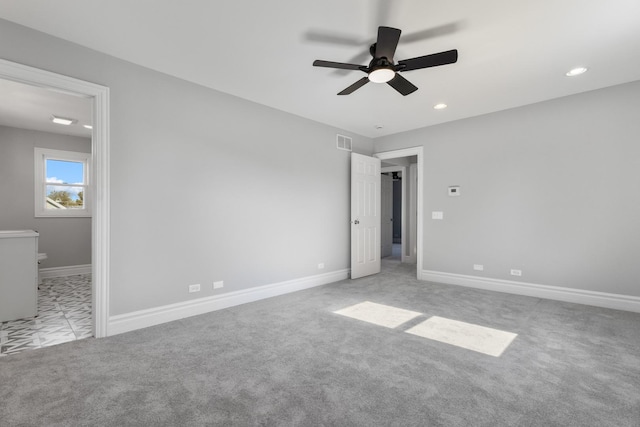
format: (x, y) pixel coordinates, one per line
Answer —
(516, 272)
(437, 215)
(321, 266)
(194, 288)
(478, 267)
(218, 285)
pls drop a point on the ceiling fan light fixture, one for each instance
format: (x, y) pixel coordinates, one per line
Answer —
(576, 71)
(381, 75)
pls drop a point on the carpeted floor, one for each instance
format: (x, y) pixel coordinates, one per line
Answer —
(292, 361)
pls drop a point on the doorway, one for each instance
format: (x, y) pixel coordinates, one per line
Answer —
(99, 99)
(408, 163)
(59, 310)
(396, 214)
(397, 210)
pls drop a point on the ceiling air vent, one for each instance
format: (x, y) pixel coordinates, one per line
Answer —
(343, 142)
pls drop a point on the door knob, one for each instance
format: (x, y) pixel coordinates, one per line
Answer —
(356, 222)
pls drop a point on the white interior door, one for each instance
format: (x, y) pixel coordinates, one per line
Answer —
(365, 215)
(386, 211)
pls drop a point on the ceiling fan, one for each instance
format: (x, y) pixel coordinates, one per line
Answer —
(382, 69)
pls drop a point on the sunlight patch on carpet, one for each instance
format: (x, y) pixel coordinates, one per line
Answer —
(378, 314)
(466, 335)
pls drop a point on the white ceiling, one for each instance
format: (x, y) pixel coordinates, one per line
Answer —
(511, 52)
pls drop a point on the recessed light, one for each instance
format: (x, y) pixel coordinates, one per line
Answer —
(576, 71)
(62, 120)
(440, 106)
(88, 126)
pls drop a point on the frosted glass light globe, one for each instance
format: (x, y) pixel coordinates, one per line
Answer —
(381, 75)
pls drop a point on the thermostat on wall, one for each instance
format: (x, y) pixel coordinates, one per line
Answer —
(454, 190)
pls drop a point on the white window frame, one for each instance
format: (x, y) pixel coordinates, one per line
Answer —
(41, 157)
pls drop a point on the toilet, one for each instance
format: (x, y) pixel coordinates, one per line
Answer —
(41, 257)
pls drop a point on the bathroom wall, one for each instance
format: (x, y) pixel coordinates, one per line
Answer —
(67, 241)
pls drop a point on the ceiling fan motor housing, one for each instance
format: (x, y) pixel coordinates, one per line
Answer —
(380, 63)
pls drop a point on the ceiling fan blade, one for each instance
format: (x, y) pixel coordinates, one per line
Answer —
(361, 57)
(440, 30)
(383, 9)
(340, 65)
(387, 42)
(323, 36)
(433, 60)
(402, 85)
(357, 85)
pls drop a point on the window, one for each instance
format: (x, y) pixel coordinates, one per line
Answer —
(62, 183)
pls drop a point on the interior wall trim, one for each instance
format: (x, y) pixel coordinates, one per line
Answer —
(69, 270)
(577, 296)
(154, 316)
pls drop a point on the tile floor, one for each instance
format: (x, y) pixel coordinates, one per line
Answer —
(64, 314)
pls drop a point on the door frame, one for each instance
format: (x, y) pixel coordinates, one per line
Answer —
(419, 153)
(100, 149)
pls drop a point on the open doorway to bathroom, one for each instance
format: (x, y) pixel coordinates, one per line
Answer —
(64, 286)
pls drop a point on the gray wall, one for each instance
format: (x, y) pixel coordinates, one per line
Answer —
(552, 189)
(67, 241)
(205, 186)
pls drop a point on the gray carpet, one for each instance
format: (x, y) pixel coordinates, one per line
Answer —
(290, 361)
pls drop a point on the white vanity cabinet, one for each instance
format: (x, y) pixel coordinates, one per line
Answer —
(18, 274)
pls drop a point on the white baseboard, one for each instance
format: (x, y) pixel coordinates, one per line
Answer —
(578, 296)
(70, 270)
(154, 316)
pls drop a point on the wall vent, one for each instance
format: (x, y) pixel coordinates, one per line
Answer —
(343, 142)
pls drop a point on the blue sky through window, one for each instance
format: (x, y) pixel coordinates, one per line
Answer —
(64, 172)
